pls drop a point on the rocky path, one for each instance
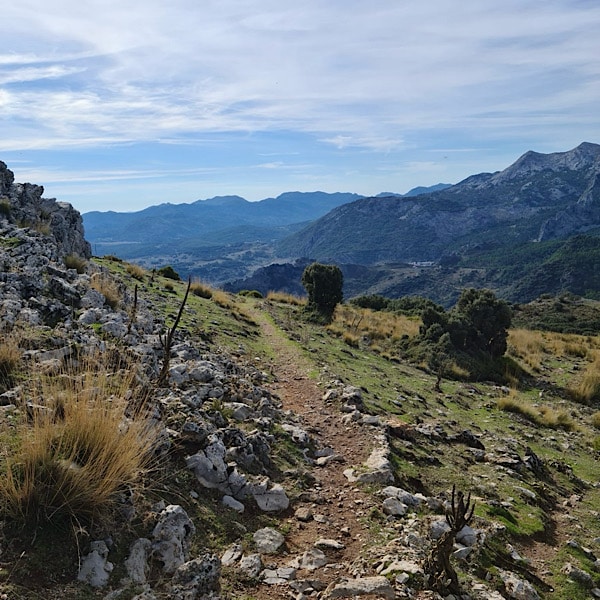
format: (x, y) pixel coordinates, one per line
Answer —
(330, 517)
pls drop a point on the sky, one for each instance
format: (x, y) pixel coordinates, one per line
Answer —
(119, 105)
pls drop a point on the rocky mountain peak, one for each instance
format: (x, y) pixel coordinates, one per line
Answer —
(23, 204)
(583, 157)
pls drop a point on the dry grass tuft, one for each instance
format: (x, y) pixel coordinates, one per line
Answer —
(222, 299)
(200, 289)
(10, 358)
(136, 271)
(73, 451)
(73, 261)
(596, 420)
(587, 390)
(108, 287)
(543, 416)
(286, 298)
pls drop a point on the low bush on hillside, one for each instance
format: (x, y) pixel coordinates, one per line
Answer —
(543, 416)
(73, 450)
(283, 298)
(250, 294)
(472, 335)
(169, 272)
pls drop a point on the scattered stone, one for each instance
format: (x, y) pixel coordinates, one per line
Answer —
(578, 575)
(95, 569)
(378, 586)
(304, 513)
(517, 588)
(278, 576)
(232, 555)
(272, 499)
(394, 508)
(172, 538)
(137, 561)
(196, 578)
(310, 560)
(234, 504)
(268, 540)
(329, 544)
(251, 565)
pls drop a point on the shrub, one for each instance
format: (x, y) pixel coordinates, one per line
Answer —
(596, 420)
(72, 261)
(169, 273)
(76, 453)
(324, 285)
(250, 293)
(286, 298)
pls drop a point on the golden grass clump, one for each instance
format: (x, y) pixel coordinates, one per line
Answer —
(222, 299)
(543, 416)
(596, 420)
(200, 289)
(284, 298)
(135, 271)
(587, 390)
(108, 287)
(375, 328)
(10, 358)
(73, 451)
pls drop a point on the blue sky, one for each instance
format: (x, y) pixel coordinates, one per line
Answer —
(118, 105)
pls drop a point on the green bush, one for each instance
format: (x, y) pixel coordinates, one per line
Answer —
(323, 284)
(169, 272)
(250, 293)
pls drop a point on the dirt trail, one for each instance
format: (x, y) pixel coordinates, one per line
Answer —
(338, 507)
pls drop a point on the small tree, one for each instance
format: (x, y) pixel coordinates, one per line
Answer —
(323, 284)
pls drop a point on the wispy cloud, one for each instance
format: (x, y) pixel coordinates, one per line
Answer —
(348, 75)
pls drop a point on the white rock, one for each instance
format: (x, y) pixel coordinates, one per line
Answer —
(234, 504)
(517, 588)
(171, 537)
(251, 565)
(137, 561)
(379, 586)
(272, 499)
(232, 555)
(95, 568)
(393, 507)
(268, 540)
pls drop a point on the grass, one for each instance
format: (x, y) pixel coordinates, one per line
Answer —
(73, 261)
(202, 290)
(10, 358)
(283, 298)
(73, 450)
(544, 416)
(136, 271)
(587, 390)
(108, 286)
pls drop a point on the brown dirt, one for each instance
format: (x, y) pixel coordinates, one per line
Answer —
(343, 505)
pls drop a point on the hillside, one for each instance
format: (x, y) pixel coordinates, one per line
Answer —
(469, 231)
(281, 458)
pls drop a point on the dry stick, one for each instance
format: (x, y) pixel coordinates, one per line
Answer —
(167, 341)
(133, 313)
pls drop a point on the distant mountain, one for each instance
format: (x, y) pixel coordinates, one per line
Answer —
(531, 229)
(539, 197)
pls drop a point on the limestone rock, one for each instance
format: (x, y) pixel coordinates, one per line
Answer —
(196, 578)
(95, 569)
(137, 561)
(172, 538)
(374, 586)
(270, 499)
(251, 565)
(268, 540)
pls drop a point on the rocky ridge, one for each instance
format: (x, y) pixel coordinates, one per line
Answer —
(219, 417)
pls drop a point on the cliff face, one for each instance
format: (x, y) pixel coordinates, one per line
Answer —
(23, 204)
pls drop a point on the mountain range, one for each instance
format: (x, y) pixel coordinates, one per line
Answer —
(529, 229)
